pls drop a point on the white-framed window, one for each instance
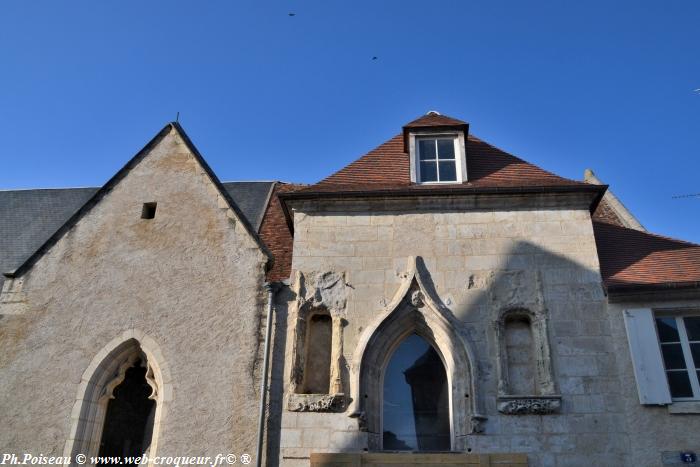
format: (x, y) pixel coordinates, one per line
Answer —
(438, 158)
(679, 339)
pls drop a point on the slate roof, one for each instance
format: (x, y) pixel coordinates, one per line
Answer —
(29, 217)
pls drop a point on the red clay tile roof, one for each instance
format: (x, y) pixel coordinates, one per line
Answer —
(275, 233)
(387, 168)
(434, 119)
(630, 259)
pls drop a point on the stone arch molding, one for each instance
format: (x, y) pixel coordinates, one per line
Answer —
(104, 373)
(416, 308)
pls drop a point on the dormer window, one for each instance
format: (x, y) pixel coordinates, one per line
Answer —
(437, 160)
(437, 148)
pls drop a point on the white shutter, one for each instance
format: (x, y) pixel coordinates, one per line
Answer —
(646, 357)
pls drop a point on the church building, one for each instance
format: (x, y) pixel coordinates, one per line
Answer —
(438, 301)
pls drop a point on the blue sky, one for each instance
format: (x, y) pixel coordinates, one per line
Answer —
(264, 95)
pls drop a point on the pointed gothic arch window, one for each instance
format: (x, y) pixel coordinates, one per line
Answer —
(120, 402)
(416, 310)
(416, 405)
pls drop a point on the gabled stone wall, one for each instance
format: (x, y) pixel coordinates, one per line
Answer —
(187, 283)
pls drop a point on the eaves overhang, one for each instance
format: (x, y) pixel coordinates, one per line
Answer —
(596, 192)
(660, 291)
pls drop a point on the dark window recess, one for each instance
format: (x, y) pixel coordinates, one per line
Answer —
(148, 211)
(129, 420)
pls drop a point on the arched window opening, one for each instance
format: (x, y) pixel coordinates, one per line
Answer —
(128, 426)
(317, 361)
(121, 400)
(416, 407)
(520, 358)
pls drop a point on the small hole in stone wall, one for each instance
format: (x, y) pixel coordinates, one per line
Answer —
(466, 395)
(366, 396)
(469, 449)
(148, 211)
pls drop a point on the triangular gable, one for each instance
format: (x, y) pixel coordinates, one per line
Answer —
(107, 187)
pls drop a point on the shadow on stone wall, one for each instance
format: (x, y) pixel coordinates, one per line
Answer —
(276, 382)
(518, 275)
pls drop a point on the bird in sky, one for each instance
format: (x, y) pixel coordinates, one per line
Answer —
(292, 14)
(374, 58)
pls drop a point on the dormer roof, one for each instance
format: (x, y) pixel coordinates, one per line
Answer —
(434, 119)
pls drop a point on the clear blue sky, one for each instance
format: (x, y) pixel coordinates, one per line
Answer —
(565, 85)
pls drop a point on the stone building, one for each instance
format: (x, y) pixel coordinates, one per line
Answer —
(437, 301)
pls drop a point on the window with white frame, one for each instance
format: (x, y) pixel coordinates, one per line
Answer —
(679, 338)
(438, 160)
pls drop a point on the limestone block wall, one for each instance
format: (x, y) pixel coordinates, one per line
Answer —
(187, 283)
(656, 435)
(480, 262)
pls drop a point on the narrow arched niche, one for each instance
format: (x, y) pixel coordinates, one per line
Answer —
(520, 358)
(526, 384)
(119, 369)
(317, 359)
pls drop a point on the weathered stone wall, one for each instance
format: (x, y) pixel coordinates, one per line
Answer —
(481, 262)
(657, 436)
(189, 281)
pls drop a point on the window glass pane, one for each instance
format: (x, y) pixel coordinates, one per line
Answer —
(428, 171)
(447, 171)
(673, 356)
(668, 331)
(692, 326)
(679, 383)
(426, 149)
(446, 149)
(695, 350)
(416, 401)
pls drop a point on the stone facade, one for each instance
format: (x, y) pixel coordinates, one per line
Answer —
(481, 263)
(507, 288)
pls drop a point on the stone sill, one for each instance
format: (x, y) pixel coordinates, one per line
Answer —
(684, 407)
(316, 402)
(529, 405)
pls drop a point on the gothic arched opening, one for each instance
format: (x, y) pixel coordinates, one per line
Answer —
(128, 425)
(121, 400)
(416, 405)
